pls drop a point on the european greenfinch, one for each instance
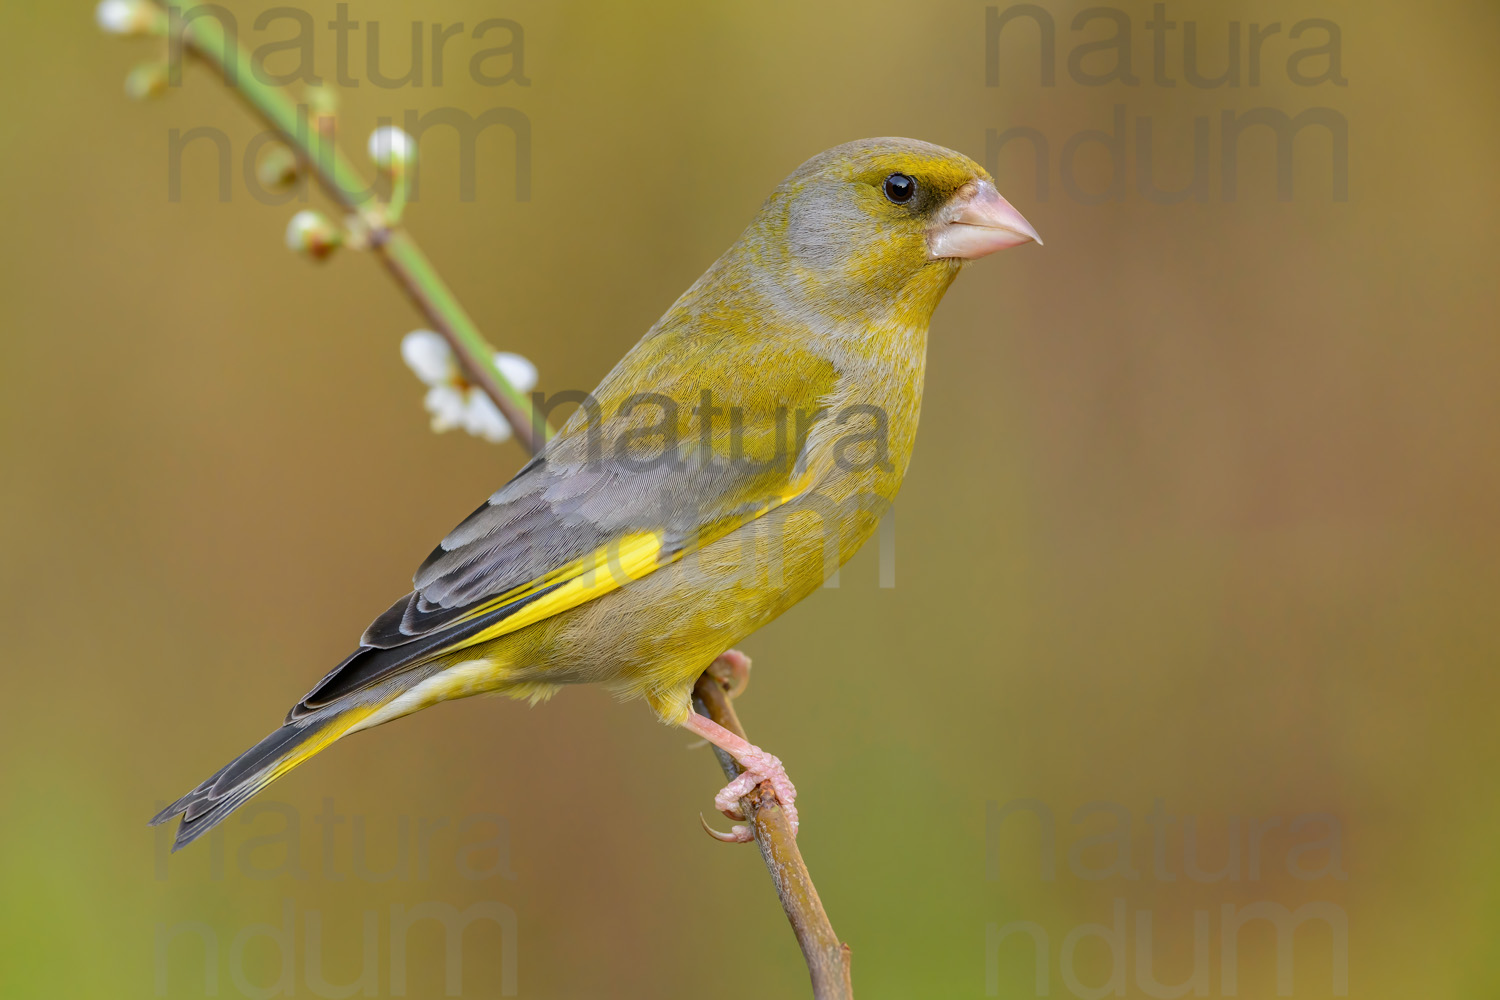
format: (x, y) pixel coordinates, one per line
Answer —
(732, 460)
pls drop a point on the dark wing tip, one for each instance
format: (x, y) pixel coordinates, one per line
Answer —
(165, 814)
(191, 828)
(206, 806)
(385, 631)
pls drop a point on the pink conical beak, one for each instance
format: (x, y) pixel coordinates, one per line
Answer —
(976, 222)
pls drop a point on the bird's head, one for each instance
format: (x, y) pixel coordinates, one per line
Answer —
(880, 222)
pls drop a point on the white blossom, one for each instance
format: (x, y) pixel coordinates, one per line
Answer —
(390, 146)
(483, 419)
(428, 356)
(446, 403)
(451, 400)
(518, 371)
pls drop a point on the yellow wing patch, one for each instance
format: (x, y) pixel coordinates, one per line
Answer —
(606, 569)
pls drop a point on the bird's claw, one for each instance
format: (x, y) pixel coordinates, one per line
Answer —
(738, 834)
(732, 669)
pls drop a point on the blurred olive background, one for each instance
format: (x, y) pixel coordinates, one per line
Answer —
(1203, 511)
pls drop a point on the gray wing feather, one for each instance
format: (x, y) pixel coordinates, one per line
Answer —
(545, 518)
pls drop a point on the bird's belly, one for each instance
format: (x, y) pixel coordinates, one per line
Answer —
(652, 637)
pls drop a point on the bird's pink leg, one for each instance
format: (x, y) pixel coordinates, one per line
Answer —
(758, 766)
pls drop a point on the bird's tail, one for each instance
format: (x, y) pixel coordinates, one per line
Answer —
(206, 806)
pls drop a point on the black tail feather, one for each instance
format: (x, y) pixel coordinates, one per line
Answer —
(206, 806)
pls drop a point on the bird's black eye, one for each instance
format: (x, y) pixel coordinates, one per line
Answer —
(899, 188)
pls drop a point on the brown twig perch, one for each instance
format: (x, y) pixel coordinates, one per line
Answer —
(827, 958)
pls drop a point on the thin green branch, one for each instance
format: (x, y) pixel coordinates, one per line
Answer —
(204, 37)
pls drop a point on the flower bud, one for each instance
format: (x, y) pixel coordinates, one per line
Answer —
(146, 81)
(321, 99)
(311, 233)
(279, 168)
(127, 17)
(322, 107)
(391, 148)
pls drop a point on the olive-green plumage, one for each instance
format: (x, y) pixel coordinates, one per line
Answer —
(736, 456)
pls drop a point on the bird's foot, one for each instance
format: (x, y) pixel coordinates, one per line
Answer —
(732, 669)
(759, 768)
